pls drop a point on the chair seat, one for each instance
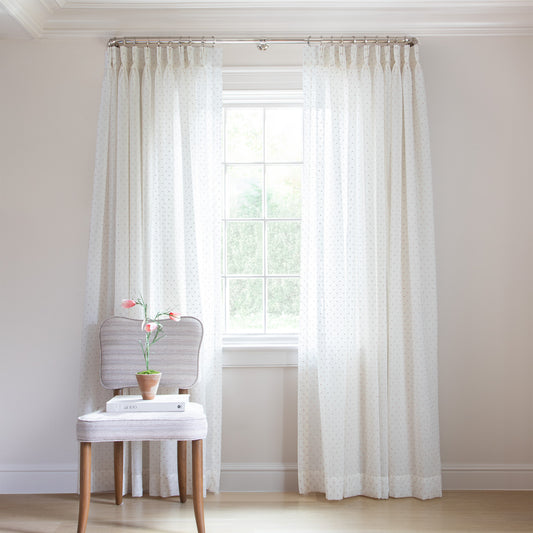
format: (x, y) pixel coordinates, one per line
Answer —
(101, 426)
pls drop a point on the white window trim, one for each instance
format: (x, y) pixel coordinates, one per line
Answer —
(250, 341)
(255, 350)
(263, 98)
(258, 357)
(260, 350)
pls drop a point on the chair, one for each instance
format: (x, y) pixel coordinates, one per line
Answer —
(177, 357)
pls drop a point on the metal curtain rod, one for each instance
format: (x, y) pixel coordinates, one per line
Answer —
(262, 44)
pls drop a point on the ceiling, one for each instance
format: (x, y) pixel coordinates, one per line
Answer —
(27, 19)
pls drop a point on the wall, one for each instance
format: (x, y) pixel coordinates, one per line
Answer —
(480, 110)
(50, 97)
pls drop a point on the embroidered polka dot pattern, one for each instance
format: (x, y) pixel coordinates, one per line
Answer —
(367, 398)
(155, 230)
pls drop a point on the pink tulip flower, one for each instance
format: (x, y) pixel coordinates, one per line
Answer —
(128, 303)
(151, 326)
(174, 316)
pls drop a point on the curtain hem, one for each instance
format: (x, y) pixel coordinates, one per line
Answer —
(379, 487)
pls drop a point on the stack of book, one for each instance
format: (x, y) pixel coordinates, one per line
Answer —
(134, 402)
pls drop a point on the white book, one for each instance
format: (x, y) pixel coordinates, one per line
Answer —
(134, 402)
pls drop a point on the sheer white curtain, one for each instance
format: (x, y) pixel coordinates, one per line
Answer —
(368, 415)
(155, 230)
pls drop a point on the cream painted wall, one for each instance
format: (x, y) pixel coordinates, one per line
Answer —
(480, 107)
(49, 95)
(481, 111)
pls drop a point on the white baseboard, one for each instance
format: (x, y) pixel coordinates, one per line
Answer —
(259, 477)
(265, 477)
(38, 479)
(273, 477)
(487, 477)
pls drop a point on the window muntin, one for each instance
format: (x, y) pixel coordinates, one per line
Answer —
(263, 160)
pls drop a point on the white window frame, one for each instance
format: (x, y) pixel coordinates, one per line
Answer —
(252, 349)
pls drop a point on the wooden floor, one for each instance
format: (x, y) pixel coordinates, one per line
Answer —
(272, 512)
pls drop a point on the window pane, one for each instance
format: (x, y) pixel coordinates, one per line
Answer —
(244, 135)
(263, 174)
(283, 296)
(283, 247)
(245, 191)
(244, 245)
(245, 305)
(283, 134)
(283, 184)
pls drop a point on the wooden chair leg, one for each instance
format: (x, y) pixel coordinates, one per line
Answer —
(85, 485)
(182, 470)
(118, 457)
(198, 484)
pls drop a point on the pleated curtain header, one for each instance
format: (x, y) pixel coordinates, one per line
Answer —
(163, 56)
(330, 55)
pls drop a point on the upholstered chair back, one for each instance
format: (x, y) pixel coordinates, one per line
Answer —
(176, 355)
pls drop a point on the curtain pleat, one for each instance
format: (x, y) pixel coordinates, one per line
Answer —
(156, 232)
(367, 400)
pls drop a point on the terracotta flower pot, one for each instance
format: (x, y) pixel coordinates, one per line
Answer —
(148, 384)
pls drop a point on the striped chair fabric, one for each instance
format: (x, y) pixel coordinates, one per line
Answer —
(176, 355)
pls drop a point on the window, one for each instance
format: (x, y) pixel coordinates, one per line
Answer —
(263, 156)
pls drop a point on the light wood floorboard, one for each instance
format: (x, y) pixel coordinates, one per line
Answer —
(455, 512)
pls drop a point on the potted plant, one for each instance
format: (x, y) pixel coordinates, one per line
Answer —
(149, 379)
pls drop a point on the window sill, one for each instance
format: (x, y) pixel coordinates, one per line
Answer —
(260, 351)
(253, 341)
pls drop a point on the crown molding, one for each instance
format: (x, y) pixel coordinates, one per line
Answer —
(274, 18)
(251, 4)
(52, 5)
(30, 14)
